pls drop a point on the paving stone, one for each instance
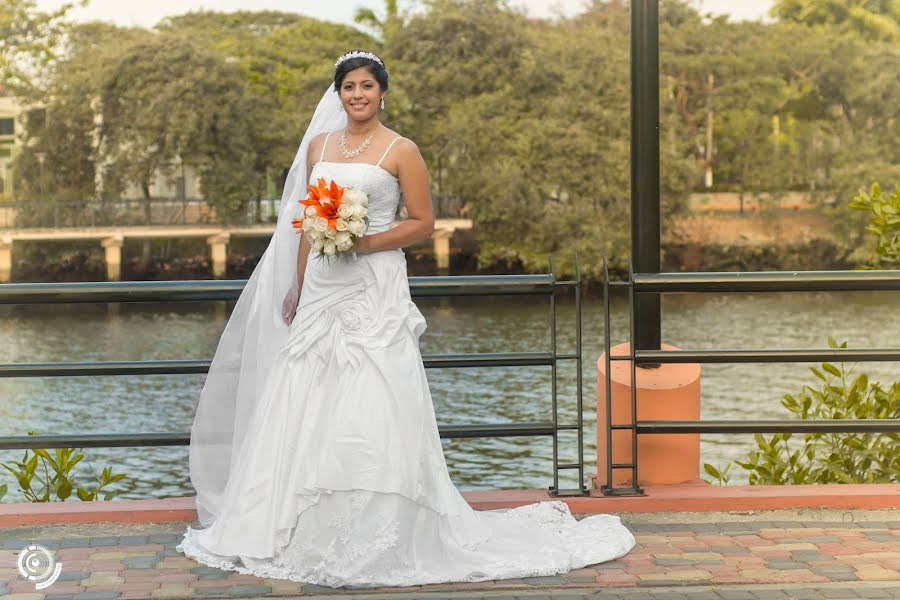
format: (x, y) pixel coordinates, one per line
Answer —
(171, 552)
(812, 539)
(72, 575)
(59, 597)
(785, 565)
(681, 562)
(832, 569)
(838, 593)
(75, 543)
(13, 544)
(736, 595)
(806, 594)
(104, 541)
(249, 590)
(212, 591)
(729, 549)
(132, 540)
(703, 596)
(204, 570)
(883, 537)
(97, 596)
(643, 527)
(809, 555)
(140, 562)
(544, 580)
(212, 575)
(838, 577)
(4, 588)
(312, 589)
(164, 538)
(877, 593)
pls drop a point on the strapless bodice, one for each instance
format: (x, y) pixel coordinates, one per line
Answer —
(379, 185)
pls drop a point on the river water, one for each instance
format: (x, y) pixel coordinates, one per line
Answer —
(162, 403)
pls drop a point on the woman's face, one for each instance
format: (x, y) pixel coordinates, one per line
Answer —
(360, 94)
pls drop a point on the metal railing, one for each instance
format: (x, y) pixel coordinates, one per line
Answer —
(699, 283)
(189, 291)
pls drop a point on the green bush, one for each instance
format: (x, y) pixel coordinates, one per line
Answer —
(46, 477)
(829, 457)
(884, 224)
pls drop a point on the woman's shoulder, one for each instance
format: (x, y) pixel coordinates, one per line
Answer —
(403, 144)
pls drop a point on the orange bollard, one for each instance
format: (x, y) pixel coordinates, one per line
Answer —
(669, 393)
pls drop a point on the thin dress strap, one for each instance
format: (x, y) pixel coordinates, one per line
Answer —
(325, 143)
(383, 156)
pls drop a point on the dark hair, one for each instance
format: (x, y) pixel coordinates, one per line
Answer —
(378, 71)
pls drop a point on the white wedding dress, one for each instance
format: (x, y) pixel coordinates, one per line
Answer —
(341, 479)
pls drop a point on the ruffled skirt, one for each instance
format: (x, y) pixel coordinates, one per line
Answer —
(341, 479)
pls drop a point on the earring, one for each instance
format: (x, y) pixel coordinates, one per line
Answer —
(382, 103)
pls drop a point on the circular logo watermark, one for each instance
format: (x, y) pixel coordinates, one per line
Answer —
(38, 564)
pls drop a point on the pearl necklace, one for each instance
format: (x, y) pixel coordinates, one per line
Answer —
(348, 153)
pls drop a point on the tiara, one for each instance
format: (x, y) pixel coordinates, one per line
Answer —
(358, 54)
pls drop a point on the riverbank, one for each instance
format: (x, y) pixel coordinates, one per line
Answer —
(704, 240)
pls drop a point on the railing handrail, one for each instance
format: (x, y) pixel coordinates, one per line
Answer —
(725, 282)
(212, 290)
(766, 281)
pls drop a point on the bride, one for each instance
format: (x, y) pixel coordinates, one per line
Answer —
(315, 453)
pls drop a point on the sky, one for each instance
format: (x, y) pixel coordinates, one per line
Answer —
(147, 13)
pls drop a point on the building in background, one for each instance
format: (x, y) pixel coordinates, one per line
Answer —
(10, 119)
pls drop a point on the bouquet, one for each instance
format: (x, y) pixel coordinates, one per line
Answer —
(334, 218)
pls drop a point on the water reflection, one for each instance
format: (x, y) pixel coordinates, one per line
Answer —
(176, 331)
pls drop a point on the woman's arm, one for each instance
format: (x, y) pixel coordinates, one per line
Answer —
(413, 176)
(289, 304)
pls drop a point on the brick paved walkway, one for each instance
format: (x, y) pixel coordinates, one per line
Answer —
(752, 560)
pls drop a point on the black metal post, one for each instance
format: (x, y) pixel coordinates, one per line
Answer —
(645, 165)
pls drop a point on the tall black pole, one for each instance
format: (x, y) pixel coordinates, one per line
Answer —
(645, 165)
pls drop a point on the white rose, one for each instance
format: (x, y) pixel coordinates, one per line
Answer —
(341, 225)
(310, 211)
(345, 210)
(329, 248)
(357, 228)
(319, 243)
(308, 225)
(329, 233)
(344, 246)
(360, 212)
(321, 224)
(356, 198)
(343, 237)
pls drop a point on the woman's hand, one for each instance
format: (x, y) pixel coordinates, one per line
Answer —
(289, 306)
(362, 245)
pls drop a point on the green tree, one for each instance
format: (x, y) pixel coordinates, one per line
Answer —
(29, 42)
(168, 101)
(286, 61)
(872, 18)
(884, 224)
(383, 27)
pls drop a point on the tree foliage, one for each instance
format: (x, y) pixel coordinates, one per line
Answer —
(818, 458)
(524, 122)
(29, 41)
(879, 19)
